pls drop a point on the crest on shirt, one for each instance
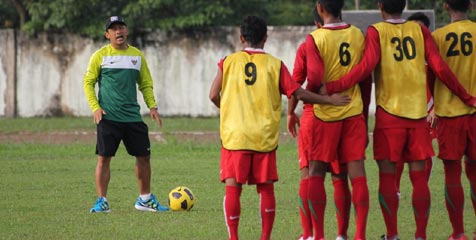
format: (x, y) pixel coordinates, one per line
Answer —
(134, 61)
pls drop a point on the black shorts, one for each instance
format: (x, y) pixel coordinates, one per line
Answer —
(135, 136)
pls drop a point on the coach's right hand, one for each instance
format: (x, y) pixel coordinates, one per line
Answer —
(97, 115)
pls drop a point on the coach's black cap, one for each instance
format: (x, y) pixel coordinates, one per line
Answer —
(114, 19)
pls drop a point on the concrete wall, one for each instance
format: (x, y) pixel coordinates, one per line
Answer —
(43, 75)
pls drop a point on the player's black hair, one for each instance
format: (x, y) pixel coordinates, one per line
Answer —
(334, 7)
(419, 16)
(317, 18)
(253, 29)
(393, 6)
(459, 5)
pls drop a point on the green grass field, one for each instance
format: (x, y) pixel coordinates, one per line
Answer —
(47, 189)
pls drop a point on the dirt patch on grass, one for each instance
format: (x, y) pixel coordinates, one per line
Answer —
(87, 137)
(48, 137)
(90, 137)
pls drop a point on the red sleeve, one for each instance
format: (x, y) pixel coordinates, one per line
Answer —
(220, 64)
(430, 79)
(365, 67)
(366, 92)
(299, 70)
(287, 85)
(442, 71)
(314, 66)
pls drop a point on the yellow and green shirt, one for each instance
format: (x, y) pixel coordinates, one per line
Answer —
(117, 72)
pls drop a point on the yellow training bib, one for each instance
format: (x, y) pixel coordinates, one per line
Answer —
(400, 76)
(341, 50)
(250, 110)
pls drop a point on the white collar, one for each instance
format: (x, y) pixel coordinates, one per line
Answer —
(333, 25)
(250, 49)
(398, 20)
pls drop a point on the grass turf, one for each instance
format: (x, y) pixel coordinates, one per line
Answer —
(47, 190)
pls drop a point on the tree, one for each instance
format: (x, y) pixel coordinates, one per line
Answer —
(86, 17)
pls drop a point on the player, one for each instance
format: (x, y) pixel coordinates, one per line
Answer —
(423, 20)
(456, 120)
(401, 97)
(117, 67)
(247, 89)
(341, 188)
(338, 134)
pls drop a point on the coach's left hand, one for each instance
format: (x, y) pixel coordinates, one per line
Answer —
(154, 115)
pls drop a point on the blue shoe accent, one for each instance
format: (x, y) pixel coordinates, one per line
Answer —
(101, 205)
(152, 205)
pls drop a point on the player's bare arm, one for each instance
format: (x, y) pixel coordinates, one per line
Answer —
(323, 90)
(154, 115)
(338, 100)
(293, 119)
(215, 89)
(97, 115)
(310, 97)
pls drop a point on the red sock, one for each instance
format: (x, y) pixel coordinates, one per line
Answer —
(388, 202)
(470, 169)
(317, 199)
(454, 195)
(421, 201)
(360, 199)
(398, 174)
(304, 212)
(232, 209)
(342, 201)
(267, 209)
(428, 167)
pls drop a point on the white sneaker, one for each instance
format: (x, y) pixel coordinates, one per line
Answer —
(340, 238)
(384, 237)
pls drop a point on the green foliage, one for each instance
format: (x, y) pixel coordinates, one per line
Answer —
(169, 15)
(83, 17)
(299, 14)
(8, 15)
(87, 17)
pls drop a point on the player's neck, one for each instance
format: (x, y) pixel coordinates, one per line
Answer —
(254, 46)
(123, 46)
(387, 16)
(458, 16)
(332, 20)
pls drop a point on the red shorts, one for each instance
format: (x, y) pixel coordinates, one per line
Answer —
(433, 130)
(339, 142)
(457, 137)
(304, 136)
(307, 122)
(248, 166)
(402, 144)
